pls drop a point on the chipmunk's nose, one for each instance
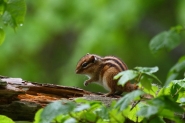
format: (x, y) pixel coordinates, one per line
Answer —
(76, 71)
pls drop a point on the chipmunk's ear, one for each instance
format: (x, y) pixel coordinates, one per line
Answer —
(92, 59)
(87, 54)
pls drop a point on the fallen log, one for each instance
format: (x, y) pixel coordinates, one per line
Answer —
(21, 99)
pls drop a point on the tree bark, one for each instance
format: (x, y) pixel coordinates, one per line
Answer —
(20, 99)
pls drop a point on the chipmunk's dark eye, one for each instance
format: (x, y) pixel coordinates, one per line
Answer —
(84, 64)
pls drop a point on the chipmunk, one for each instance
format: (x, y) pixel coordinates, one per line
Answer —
(102, 70)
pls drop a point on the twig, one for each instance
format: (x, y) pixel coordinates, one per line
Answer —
(177, 91)
(134, 105)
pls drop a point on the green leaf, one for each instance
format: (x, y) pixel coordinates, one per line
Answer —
(116, 117)
(175, 88)
(14, 13)
(182, 100)
(168, 114)
(131, 114)
(174, 91)
(2, 36)
(37, 116)
(102, 121)
(5, 119)
(168, 103)
(70, 120)
(154, 77)
(128, 98)
(165, 90)
(147, 69)
(125, 76)
(63, 119)
(2, 7)
(165, 40)
(181, 95)
(175, 70)
(81, 100)
(92, 104)
(181, 83)
(103, 112)
(90, 116)
(146, 82)
(82, 107)
(54, 109)
(178, 28)
(158, 105)
(148, 110)
(154, 90)
(157, 120)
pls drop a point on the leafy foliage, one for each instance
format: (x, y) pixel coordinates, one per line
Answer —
(166, 40)
(126, 76)
(5, 119)
(55, 109)
(12, 13)
(162, 106)
(164, 102)
(127, 99)
(176, 70)
(140, 74)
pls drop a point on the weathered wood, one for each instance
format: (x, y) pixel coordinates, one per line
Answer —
(20, 99)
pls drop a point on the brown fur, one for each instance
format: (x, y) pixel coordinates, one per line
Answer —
(103, 69)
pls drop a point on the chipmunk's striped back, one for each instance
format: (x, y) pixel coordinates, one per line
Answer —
(115, 62)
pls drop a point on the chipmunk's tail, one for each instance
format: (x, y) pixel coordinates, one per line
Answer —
(130, 87)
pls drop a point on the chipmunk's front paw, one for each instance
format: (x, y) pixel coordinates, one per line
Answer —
(86, 83)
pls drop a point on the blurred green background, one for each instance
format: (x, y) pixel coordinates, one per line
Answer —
(57, 33)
